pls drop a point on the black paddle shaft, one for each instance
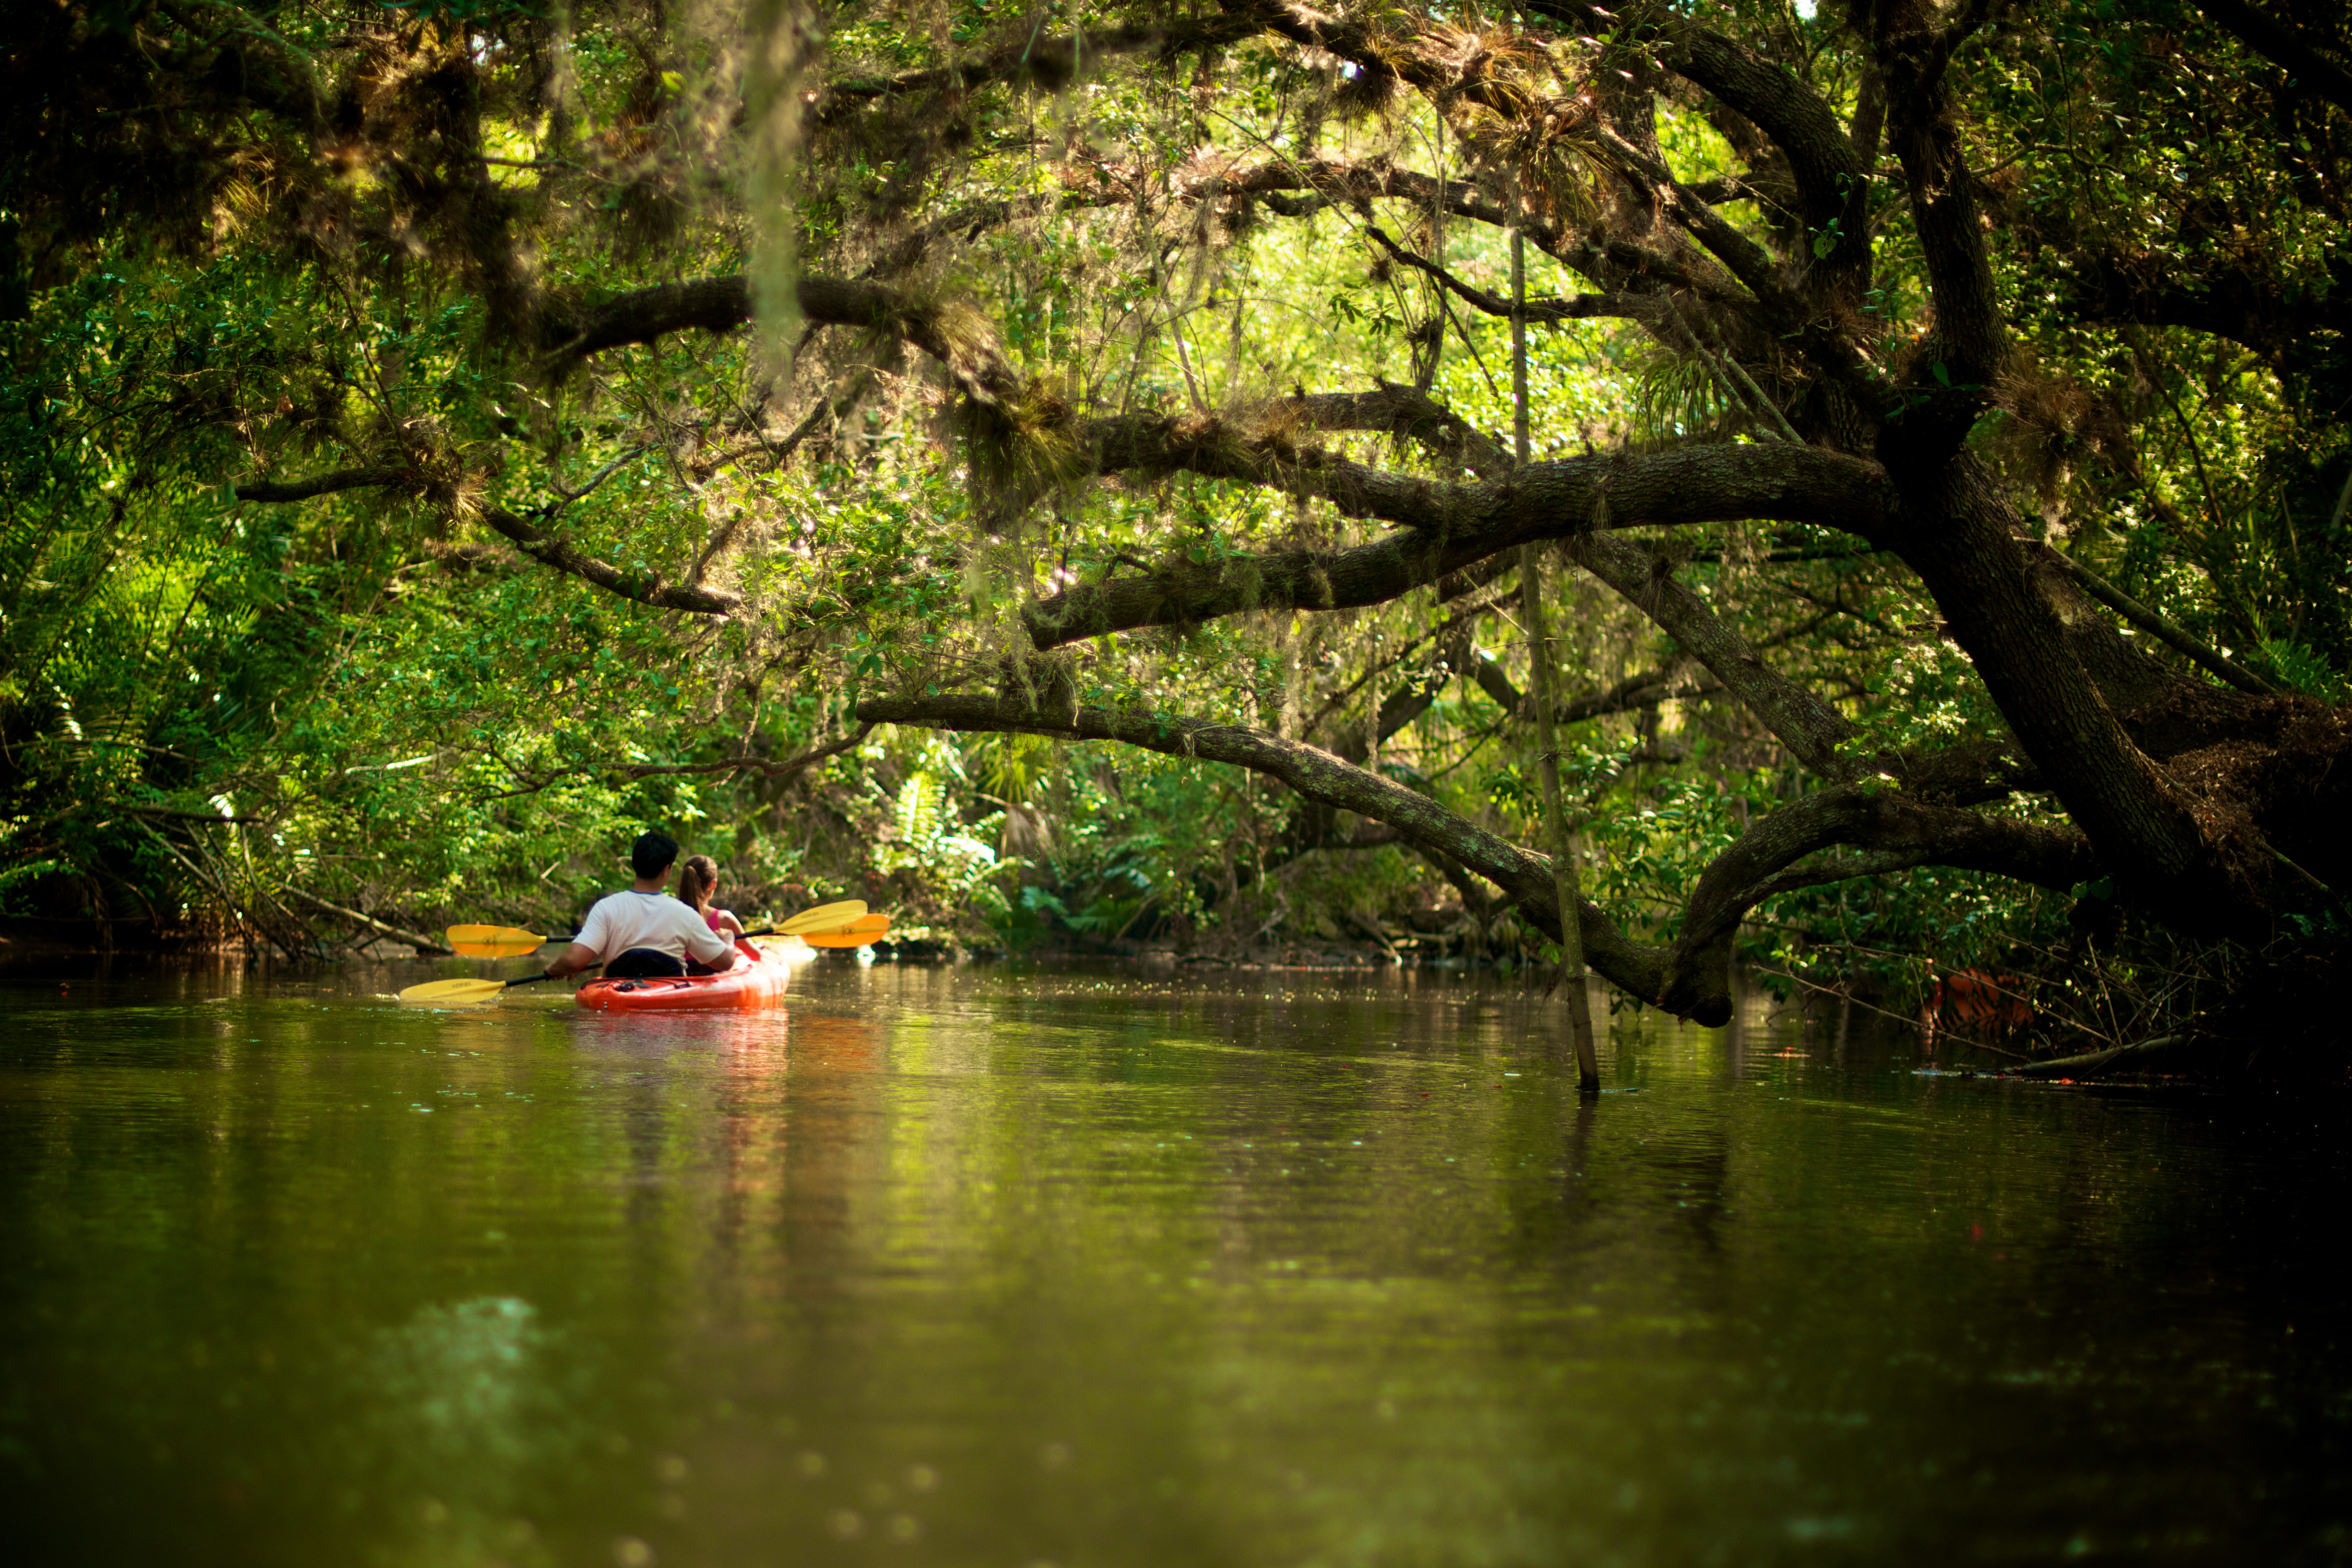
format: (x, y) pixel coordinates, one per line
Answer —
(543, 974)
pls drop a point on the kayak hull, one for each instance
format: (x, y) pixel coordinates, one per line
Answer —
(757, 981)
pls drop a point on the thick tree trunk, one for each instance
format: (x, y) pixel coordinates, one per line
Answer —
(2190, 866)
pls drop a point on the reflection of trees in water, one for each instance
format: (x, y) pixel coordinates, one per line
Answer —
(842, 1146)
(788, 1157)
(840, 1043)
(802, 1152)
(755, 1055)
(1601, 1189)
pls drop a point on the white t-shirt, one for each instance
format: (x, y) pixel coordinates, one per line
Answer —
(623, 920)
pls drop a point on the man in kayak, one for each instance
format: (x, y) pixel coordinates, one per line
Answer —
(645, 932)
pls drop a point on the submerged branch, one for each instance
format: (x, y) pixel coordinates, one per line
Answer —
(425, 946)
(2090, 1062)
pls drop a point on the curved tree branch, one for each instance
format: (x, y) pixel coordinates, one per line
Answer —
(2042, 650)
(542, 545)
(1740, 255)
(644, 587)
(2280, 322)
(1613, 261)
(952, 332)
(1408, 413)
(1449, 526)
(1583, 307)
(283, 491)
(1692, 978)
(1476, 77)
(1321, 776)
(1645, 689)
(1047, 63)
(773, 770)
(1894, 829)
(1831, 173)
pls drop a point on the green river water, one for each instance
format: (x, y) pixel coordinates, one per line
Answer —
(1011, 1267)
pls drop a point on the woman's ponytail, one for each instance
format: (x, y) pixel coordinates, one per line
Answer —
(694, 880)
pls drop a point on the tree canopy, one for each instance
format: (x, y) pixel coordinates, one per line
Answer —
(439, 435)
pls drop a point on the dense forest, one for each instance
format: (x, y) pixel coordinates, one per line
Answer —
(1841, 490)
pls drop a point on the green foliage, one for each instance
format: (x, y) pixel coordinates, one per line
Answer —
(210, 708)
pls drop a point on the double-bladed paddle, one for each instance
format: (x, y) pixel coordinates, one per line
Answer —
(504, 942)
(827, 920)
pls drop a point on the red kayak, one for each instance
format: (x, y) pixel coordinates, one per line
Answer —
(756, 980)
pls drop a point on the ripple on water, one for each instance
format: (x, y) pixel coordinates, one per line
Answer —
(1037, 1266)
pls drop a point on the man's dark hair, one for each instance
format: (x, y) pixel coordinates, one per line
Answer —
(652, 854)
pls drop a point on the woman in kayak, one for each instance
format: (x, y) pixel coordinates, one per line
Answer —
(697, 884)
(645, 932)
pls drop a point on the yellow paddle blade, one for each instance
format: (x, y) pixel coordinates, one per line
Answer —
(875, 923)
(864, 933)
(495, 949)
(500, 935)
(451, 991)
(824, 917)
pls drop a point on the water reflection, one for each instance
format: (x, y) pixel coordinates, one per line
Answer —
(1014, 1267)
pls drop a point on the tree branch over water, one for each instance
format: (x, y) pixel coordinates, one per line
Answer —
(1692, 978)
(1450, 526)
(1319, 775)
